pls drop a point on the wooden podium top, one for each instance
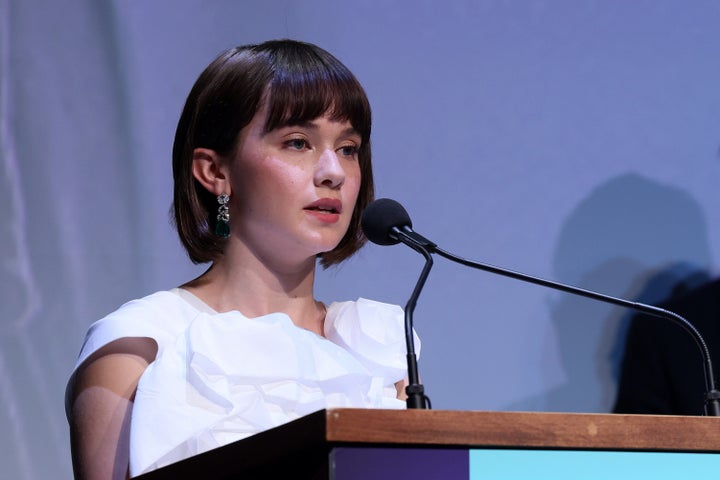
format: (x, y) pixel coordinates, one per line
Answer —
(522, 429)
(303, 445)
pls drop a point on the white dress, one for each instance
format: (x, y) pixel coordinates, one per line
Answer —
(220, 377)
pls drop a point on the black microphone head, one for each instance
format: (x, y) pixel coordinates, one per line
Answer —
(380, 217)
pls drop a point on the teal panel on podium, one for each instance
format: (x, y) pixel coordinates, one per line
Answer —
(491, 464)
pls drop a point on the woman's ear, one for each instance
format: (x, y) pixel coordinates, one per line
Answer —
(210, 169)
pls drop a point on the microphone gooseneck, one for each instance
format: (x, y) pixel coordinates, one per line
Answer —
(390, 223)
(415, 391)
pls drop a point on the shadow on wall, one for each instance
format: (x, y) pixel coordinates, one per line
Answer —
(632, 238)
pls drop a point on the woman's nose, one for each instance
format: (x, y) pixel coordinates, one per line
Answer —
(329, 171)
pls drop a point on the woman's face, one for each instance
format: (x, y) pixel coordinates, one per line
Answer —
(294, 189)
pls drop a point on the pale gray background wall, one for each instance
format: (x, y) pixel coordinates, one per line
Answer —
(576, 140)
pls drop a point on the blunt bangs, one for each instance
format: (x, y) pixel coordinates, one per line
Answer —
(306, 86)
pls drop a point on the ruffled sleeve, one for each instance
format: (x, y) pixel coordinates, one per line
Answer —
(374, 333)
(159, 316)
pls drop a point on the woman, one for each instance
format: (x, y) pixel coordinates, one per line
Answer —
(272, 171)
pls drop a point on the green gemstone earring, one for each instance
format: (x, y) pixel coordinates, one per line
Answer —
(222, 227)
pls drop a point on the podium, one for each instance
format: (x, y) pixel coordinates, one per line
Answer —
(349, 444)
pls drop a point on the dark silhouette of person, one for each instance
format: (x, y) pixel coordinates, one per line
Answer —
(662, 369)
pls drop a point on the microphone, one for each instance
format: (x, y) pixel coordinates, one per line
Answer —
(386, 222)
(380, 217)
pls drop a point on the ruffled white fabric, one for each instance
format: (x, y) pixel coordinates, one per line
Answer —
(221, 377)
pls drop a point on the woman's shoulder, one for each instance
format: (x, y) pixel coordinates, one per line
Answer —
(162, 310)
(365, 308)
(367, 317)
(137, 330)
(374, 332)
(160, 316)
(365, 314)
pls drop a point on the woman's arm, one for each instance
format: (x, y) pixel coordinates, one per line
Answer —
(101, 399)
(400, 387)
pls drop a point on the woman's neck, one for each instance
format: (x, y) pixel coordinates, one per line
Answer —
(253, 286)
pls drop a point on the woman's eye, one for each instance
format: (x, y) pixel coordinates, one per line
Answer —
(297, 143)
(349, 150)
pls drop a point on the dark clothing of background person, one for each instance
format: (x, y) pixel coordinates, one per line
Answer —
(662, 371)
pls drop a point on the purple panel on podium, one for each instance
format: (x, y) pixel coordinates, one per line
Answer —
(350, 463)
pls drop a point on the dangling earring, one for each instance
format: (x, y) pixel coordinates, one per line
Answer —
(222, 227)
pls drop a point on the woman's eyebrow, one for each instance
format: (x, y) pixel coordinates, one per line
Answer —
(311, 125)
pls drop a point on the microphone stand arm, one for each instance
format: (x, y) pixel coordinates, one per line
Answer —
(416, 398)
(712, 397)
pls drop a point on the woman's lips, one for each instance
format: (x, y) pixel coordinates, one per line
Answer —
(327, 210)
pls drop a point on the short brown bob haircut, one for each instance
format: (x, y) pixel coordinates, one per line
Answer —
(299, 82)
